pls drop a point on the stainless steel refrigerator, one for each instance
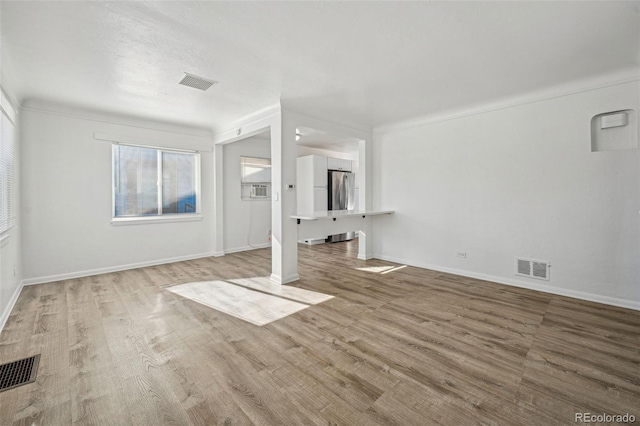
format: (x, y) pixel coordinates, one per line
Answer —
(341, 197)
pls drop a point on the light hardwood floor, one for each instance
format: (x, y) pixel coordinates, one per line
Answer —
(410, 347)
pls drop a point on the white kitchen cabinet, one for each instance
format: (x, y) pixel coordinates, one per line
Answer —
(312, 187)
(311, 183)
(332, 163)
(320, 198)
(339, 164)
(319, 165)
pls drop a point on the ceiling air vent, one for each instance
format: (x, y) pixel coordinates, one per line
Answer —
(533, 268)
(196, 82)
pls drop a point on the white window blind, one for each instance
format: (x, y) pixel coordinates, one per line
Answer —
(7, 167)
(255, 170)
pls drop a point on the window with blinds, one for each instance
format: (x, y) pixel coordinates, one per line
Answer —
(7, 166)
(154, 182)
(255, 178)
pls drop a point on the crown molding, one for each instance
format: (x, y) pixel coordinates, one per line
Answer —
(626, 76)
(63, 110)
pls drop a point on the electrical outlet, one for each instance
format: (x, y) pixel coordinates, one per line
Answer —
(462, 254)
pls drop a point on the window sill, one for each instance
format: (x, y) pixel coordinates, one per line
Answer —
(118, 221)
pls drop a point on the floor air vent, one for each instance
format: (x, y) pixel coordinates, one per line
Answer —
(533, 268)
(18, 373)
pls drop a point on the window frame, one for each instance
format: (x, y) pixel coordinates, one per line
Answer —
(11, 219)
(246, 185)
(160, 217)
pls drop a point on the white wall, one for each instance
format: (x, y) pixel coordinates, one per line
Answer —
(66, 200)
(306, 150)
(10, 249)
(520, 181)
(246, 223)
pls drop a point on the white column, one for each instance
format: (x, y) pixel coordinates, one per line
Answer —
(365, 163)
(284, 241)
(218, 196)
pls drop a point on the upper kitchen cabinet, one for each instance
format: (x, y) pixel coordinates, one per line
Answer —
(312, 171)
(339, 164)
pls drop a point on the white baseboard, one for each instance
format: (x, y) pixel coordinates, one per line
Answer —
(97, 271)
(591, 297)
(12, 302)
(279, 280)
(246, 248)
(366, 256)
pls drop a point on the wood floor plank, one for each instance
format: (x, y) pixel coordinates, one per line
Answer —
(396, 345)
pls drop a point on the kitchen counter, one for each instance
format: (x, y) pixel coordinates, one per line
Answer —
(335, 214)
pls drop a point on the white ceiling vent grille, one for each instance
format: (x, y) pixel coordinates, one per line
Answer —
(196, 82)
(533, 268)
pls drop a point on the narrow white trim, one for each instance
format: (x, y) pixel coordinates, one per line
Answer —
(591, 297)
(525, 99)
(4, 239)
(249, 120)
(279, 280)
(365, 257)
(247, 248)
(150, 143)
(145, 220)
(291, 278)
(6, 107)
(12, 100)
(121, 121)
(218, 253)
(12, 302)
(276, 279)
(106, 270)
(336, 129)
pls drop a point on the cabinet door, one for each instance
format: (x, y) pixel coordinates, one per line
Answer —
(344, 165)
(333, 163)
(320, 199)
(319, 171)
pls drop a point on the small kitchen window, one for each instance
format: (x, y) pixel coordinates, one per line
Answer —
(255, 178)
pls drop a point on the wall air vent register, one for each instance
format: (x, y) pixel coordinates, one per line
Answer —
(532, 268)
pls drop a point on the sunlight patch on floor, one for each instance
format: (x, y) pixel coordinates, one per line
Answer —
(394, 269)
(265, 285)
(243, 301)
(375, 269)
(381, 269)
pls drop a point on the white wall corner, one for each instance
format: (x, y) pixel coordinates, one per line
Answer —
(12, 302)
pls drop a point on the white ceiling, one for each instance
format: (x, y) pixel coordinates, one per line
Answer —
(314, 138)
(358, 63)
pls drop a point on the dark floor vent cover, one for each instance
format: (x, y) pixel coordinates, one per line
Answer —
(18, 373)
